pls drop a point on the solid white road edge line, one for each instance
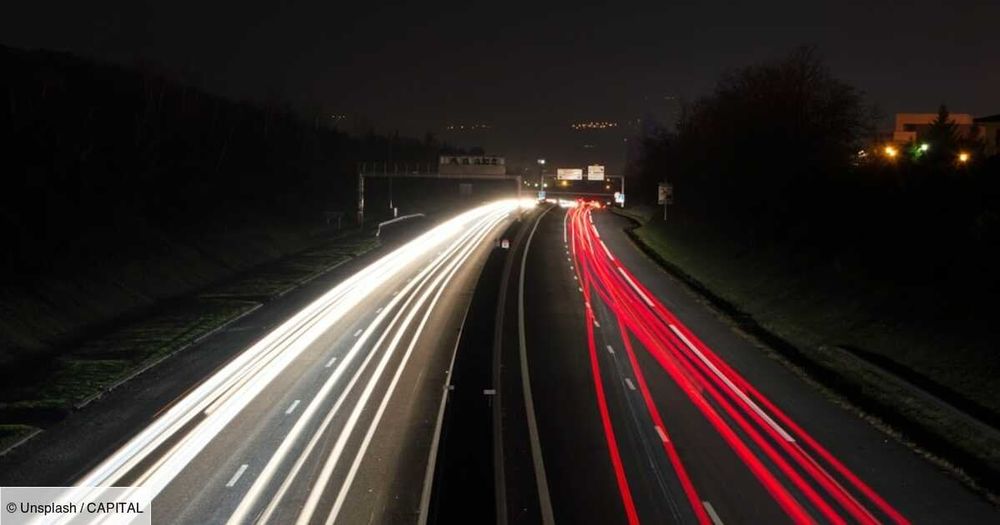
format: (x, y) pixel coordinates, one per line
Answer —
(548, 517)
(739, 393)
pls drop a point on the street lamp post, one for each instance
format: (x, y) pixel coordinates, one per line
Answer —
(541, 175)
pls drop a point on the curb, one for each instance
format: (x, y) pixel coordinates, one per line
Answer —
(94, 397)
(21, 441)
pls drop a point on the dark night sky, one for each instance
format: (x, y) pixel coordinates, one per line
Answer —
(527, 70)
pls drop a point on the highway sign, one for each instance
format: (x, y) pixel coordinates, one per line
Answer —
(664, 193)
(569, 174)
(595, 172)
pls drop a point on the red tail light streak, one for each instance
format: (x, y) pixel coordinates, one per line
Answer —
(807, 481)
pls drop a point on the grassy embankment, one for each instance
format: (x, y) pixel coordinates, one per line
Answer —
(137, 215)
(54, 379)
(927, 371)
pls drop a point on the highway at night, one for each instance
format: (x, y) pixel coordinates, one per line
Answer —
(352, 263)
(286, 432)
(652, 409)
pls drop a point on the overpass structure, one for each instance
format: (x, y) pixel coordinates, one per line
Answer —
(426, 170)
(611, 187)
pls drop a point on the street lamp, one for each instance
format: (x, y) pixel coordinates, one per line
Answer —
(925, 146)
(963, 157)
(890, 152)
(541, 168)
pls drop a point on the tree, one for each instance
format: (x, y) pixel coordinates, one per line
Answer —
(761, 146)
(942, 137)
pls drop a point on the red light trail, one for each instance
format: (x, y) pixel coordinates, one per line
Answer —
(779, 453)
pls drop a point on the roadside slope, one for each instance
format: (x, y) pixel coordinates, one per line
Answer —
(939, 401)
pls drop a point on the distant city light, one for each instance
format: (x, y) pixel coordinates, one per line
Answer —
(925, 146)
(890, 152)
(594, 124)
(467, 127)
(963, 157)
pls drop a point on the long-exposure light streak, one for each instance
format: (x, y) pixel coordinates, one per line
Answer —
(196, 418)
(736, 410)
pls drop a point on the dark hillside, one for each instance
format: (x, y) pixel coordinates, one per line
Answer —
(122, 188)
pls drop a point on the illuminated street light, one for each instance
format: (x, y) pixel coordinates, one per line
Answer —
(891, 152)
(963, 157)
(541, 175)
(925, 146)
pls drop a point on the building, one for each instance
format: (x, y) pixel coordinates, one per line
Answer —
(911, 127)
(990, 133)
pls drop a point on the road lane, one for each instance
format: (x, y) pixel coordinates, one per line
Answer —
(747, 457)
(348, 461)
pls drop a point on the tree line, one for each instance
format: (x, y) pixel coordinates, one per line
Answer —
(783, 154)
(94, 153)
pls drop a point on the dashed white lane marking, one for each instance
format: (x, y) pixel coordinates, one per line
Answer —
(578, 288)
(663, 435)
(631, 386)
(358, 332)
(610, 350)
(712, 515)
(379, 310)
(596, 323)
(236, 477)
(292, 407)
(330, 362)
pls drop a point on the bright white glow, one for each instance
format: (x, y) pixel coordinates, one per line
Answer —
(208, 409)
(527, 203)
(249, 501)
(566, 203)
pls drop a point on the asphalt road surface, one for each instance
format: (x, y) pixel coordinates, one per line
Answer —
(330, 417)
(652, 409)
(617, 396)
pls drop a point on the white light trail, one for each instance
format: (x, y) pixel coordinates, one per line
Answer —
(209, 408)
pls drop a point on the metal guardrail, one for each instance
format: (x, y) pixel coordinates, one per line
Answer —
(397, 219)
